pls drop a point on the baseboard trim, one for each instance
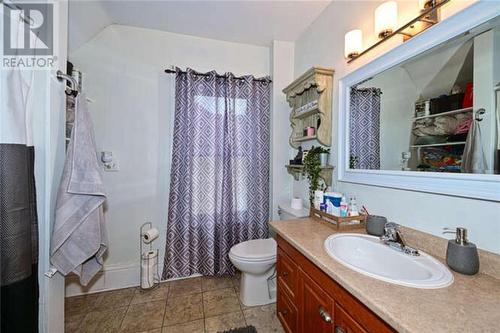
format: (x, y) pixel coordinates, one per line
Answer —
(110, 278)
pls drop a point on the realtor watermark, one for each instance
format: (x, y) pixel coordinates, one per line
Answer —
(28, 35)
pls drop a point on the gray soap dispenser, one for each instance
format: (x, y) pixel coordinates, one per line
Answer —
(461, 255)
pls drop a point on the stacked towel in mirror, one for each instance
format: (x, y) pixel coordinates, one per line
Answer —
(444, 159)
(444, 125)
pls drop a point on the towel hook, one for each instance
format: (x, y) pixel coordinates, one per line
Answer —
(479, 114)
(73, 84)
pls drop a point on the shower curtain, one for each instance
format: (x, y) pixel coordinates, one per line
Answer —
(364, 128)
(18, 214)
(219, 190)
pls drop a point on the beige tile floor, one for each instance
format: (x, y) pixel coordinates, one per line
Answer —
(203, 304)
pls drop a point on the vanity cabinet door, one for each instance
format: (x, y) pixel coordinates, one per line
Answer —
(287, 273)
(344, 323)
(315, 307)
(286, 312)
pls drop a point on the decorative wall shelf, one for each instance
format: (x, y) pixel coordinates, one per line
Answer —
(305, 138)
(325, 174)
(313, 88)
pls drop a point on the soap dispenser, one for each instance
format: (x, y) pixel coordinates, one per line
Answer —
(461, 255)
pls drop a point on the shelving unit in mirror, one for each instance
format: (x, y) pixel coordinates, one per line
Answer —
(436, 142)
(310, 97)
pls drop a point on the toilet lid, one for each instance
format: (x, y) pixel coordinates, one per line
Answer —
(256, 249)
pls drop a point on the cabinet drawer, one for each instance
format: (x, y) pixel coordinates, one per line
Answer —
(287, 313)
(287, 274)
(344, 323)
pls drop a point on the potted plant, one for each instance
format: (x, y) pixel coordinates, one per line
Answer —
(312, 170)
(323, 156)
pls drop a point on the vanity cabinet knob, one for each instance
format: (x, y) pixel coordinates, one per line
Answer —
(325, 315)
(284, 274)
(339, 329)
(284, 312)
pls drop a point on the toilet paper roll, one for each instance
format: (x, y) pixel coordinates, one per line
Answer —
(149, 264)
(296, 203)
(150, 235)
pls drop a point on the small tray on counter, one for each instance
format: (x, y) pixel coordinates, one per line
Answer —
(337, 222)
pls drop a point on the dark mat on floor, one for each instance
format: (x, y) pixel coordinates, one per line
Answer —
(247, 329)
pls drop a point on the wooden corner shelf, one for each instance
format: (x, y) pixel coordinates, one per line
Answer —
(312, 89)
(326, 172)
(305, 138)
(305, 114)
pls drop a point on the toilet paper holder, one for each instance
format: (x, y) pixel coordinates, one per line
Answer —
(146, 247)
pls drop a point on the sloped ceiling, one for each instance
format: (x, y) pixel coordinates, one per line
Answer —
(436, 72)
(251, 22)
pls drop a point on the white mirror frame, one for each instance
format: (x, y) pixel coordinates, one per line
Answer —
(477, 186)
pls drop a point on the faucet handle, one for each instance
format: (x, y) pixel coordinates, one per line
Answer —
(390, 232)
(391, 225)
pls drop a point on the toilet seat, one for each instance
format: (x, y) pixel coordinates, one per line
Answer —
(255, 250)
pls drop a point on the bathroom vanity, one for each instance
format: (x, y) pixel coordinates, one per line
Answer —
(318, 294)
(308, 300)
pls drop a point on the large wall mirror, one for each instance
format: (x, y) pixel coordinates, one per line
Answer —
(431, 114)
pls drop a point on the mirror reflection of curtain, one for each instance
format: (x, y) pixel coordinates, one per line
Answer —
(365, 128)
(219, 192)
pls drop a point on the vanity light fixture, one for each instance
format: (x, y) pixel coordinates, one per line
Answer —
(386, 23)
(353, 43)
(386, 19)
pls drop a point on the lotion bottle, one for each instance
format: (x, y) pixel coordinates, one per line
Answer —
(344, 208)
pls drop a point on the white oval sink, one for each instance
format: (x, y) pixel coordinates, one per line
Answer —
(369, 256)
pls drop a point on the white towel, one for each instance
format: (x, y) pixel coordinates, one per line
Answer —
(79, 239)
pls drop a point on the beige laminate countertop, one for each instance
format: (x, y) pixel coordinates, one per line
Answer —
(470, 304)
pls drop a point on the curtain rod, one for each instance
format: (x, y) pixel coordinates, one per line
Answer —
(171, 71)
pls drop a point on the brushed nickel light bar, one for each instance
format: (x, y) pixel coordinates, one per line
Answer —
(429, 16)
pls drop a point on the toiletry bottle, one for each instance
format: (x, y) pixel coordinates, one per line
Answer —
(353, 207)
(318, 199)
(461, 255)
(353, 210)
(343, 207)
(329, 207)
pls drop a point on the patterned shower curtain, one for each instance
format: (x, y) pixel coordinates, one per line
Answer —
(364, 128)
(18, 211)
(219, 190)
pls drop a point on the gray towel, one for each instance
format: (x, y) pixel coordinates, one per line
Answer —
(79, 239)
(473, 158)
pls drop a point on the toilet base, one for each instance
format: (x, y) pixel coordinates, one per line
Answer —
(254, 288)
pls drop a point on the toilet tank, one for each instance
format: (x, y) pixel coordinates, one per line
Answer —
(286, 212)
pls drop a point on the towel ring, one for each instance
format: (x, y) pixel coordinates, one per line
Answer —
(479, 114)
(73, 84)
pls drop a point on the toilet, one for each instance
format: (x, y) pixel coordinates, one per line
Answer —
(256, 259)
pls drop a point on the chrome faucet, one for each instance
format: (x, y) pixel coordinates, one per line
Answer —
(395, 240)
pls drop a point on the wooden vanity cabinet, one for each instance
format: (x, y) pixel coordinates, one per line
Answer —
(309, 301)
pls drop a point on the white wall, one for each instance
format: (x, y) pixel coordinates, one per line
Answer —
(123, 70)
(323, 44)
(48, 107)
(282, 73)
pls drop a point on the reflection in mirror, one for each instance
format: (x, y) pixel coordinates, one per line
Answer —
(435, 112)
